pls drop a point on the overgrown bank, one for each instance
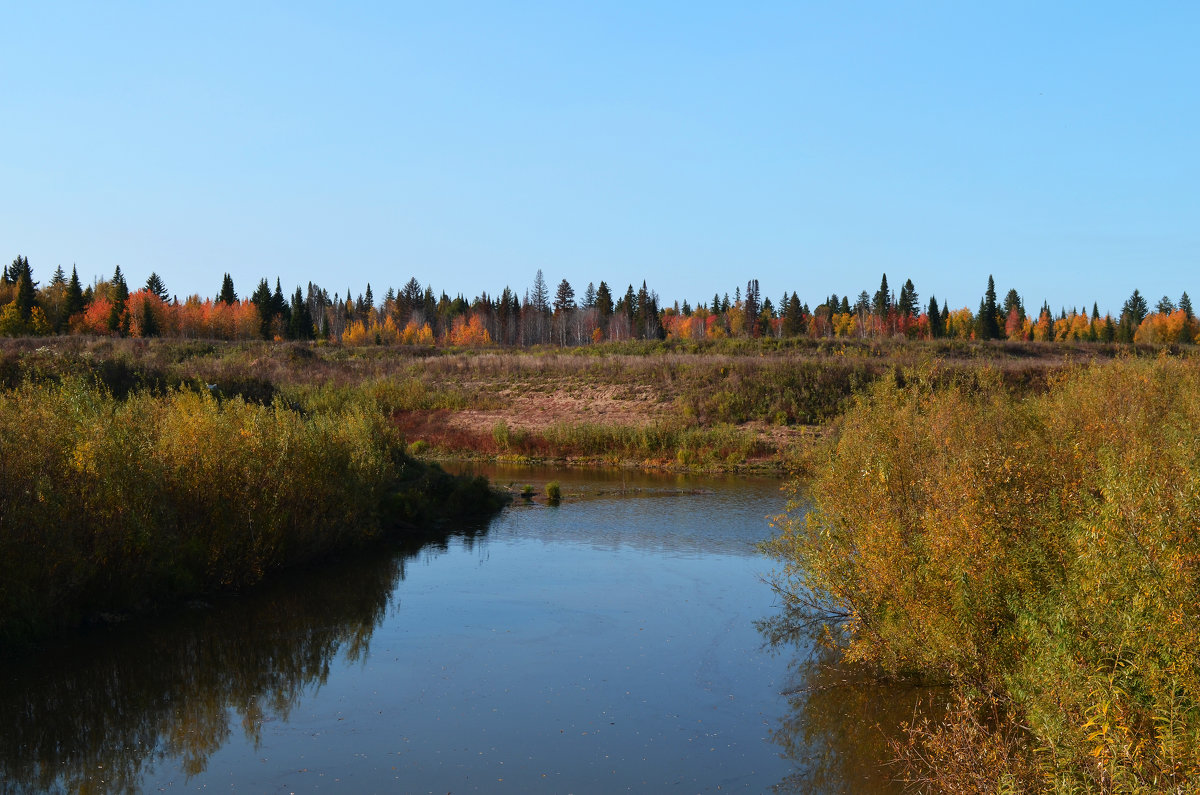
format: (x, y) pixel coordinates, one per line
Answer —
(107, 504)
(1041, 553)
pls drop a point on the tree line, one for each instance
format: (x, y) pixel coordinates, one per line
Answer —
(416, 315)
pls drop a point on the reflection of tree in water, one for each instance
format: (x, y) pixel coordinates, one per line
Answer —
(93, 714)
(841, 720)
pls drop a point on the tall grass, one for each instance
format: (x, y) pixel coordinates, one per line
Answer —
(107, 503)
(1040, 553)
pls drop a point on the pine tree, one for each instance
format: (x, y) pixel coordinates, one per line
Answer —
(1185, 304)
(589, 296)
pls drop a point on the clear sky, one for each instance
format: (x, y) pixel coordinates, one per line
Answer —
(696, 145)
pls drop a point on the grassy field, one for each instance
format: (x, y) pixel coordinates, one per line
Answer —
(728, 406)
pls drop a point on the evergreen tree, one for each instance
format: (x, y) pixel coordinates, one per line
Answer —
(753, 307)
(227, 294)
(604, 300)
(118, 294)
(1136, 308)
(262, 301)
(936, 327)
(989, 325)
(908, 304)
(1165, 306)
(539, 294)
(845, 307)
(154, 284)
(1012, 299)
(279, 305)
(793, 319)
(882, 301)
(1185, 304)
(26, 297)
(75, 303)
(1133, 312)
(300, 325)
(589, 296)
(564, 297)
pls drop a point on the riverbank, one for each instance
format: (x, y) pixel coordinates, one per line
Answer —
(1041, 554)
(115, 505)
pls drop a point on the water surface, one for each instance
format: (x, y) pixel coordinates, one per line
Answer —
(608, 644)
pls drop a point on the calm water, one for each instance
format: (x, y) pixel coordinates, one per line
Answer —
(605, 645)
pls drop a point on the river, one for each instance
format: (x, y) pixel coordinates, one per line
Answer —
(607, 644)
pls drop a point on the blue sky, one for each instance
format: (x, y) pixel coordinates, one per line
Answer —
(813, 146)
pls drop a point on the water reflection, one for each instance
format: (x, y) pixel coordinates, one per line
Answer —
(96, 713)
(842, 721)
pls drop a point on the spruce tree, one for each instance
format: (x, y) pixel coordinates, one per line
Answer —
(118, 294)
(989, 326)
(262, 300)
(154, 284)
(936, 327)
(227, 294)
(26, 295)
(75, 303)
(1185, 304)
(882, 301)
(604, 300)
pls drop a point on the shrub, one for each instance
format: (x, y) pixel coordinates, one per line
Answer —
(1040, 554)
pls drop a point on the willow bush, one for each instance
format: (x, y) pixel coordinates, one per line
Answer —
(1041, 553)
(107, 503)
